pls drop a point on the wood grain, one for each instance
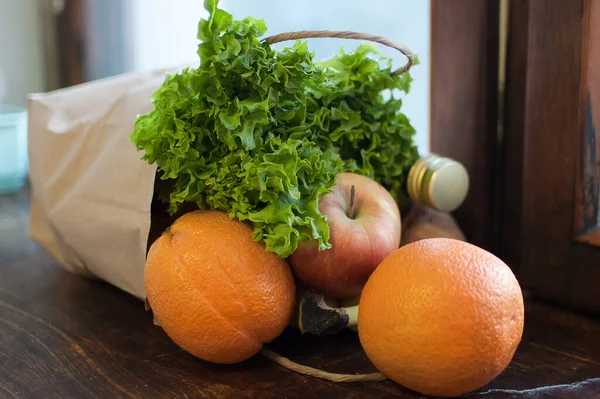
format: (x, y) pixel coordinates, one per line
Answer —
(587, 207)
(590, 237)
(464, 83)
(550, 163)
(63, 336)
(551, 138)
(511, 158)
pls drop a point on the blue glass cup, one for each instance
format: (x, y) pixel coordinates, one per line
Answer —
(13, 148)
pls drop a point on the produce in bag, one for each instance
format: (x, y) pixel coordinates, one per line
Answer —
(276, 140)
(262, 136)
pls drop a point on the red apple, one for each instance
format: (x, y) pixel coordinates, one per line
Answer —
(360, 241)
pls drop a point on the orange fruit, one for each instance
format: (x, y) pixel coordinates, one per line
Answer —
(441, 317)
(214, 290)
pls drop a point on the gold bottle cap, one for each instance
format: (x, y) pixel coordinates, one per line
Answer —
(438, 182)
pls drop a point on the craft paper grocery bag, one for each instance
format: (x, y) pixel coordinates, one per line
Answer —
(91, 192)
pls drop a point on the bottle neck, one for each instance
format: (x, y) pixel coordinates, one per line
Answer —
(437, 182)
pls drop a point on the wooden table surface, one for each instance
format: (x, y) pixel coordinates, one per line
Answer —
(62, 336)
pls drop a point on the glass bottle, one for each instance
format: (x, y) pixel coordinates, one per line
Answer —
(438, 182)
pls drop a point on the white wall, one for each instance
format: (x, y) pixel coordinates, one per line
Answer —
(21, 51)
(163, 34)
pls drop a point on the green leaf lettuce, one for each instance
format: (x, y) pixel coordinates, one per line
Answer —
(262, 134)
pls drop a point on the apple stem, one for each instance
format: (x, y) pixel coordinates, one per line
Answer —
(352, 195)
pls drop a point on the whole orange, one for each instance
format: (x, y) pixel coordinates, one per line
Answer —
(441, 316)
(214, 290)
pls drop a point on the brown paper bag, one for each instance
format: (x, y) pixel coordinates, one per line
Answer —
(91, 192)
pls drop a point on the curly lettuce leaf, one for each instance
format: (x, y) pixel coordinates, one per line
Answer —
(212, 131)
(357, 121)
(262, 134)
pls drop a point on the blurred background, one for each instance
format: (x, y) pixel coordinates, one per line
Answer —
(48, 44)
